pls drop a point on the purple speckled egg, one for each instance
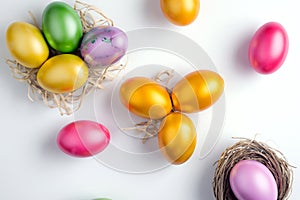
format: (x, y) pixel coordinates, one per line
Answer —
(251, 180)
(103, 46)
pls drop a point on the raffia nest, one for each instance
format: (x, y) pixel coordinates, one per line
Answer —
(254, 150)
(68, 103)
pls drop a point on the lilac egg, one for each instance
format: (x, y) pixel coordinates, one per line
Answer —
(103, 46)
(251, 180)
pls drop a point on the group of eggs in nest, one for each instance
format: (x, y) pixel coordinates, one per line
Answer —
(62, 33)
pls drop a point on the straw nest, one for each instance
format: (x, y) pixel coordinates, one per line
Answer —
(68, 103)
(250, 149)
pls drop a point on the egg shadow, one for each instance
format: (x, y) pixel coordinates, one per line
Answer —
(153, 13)
(50, 150)
(206, 191)
(206, 180)
(241, 57)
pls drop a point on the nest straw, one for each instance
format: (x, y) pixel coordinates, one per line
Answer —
(68, 103)
(91, 16)
(250, 149)
(150, 127)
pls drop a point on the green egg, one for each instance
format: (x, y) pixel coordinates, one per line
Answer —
(62, 27)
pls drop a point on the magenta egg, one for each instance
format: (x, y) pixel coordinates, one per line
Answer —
(251, 180)
(103, 46)
(83, 138)
(268, 48)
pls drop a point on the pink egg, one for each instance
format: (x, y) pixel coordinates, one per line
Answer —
(268, 48)
(251, 180)
(83, 138)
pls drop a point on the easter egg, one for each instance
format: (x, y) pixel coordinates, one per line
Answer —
(177, 137)
(26, 44)
(62, 73)
(180, 12)
(62, 27)
(268, 48)
(103, 46)
(83, 138)
(251, 180)
(145, 98)
(197, 91)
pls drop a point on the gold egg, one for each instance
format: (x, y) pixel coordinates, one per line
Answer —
(145, 98)
(197, 91)
(177, 137)
(180, 12)
(26, 44)
(63, 73)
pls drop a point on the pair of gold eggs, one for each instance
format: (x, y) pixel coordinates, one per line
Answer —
(195, 92)
(59, 74)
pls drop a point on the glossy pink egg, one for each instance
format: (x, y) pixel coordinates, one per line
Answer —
(268, 48)
(83, 138)
(251, 180)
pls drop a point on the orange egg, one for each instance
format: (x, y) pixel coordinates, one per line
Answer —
(177, 137)
(197, 91)
(145, 98)
(180, 12)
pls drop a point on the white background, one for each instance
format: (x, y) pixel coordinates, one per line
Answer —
(32, 167)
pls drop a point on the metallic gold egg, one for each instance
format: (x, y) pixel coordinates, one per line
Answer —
(197, 91)
(26, 44)
(145, 98)
(180, 12)
(63, 73)
(177, 137)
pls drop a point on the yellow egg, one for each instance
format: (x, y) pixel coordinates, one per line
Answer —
(197, 91)
(177, 137)
(145, 98)
(63, 73)
(26, 44)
